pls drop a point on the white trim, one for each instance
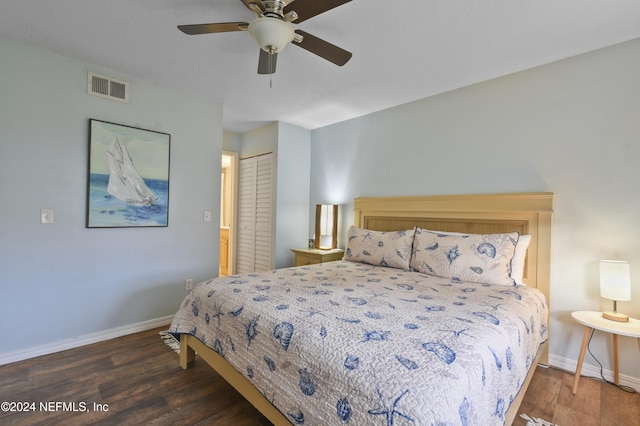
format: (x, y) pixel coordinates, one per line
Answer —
(233, 219)
(87, 339)
(591, 371)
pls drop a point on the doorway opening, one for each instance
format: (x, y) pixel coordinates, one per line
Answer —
(227, 213)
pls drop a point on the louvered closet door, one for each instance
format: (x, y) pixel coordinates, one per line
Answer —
(245, 258)
(254, 214)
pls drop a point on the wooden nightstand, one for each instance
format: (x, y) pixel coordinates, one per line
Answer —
(311, 256)
(595, 321)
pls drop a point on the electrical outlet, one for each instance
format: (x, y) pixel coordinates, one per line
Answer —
(188, 284)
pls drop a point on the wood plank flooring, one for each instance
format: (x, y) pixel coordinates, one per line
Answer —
(137, 380)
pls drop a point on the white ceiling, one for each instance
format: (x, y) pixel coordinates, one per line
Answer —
(403, 50)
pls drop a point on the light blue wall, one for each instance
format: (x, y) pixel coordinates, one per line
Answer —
(294, 148)
(571, 127)
(62, 280)
(262, 140)
(231, 141)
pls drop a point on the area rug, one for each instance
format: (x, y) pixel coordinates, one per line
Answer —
(170, 340)
(534, 421)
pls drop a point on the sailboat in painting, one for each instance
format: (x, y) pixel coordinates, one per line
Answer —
(125, 183)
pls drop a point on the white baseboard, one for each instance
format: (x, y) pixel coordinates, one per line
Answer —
(591, 371)
(87, 339)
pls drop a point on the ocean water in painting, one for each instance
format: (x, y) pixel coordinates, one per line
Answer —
(108, 211)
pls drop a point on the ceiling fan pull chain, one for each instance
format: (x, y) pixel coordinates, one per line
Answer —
(271, 69)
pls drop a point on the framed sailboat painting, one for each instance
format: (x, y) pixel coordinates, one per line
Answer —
(128, 176)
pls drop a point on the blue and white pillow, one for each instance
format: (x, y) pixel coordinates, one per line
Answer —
(481, 258)
(390, 249)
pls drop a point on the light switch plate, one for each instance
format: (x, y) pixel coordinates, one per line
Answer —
(46, 216)
(207, 216)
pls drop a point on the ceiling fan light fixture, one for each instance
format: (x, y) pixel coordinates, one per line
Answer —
(272, 34)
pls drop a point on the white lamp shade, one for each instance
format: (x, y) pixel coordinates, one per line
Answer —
(326, 226)
(615, 280)
(326, 220)
(272, 34)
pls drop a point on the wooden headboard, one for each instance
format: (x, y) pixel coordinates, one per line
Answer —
(527, 213)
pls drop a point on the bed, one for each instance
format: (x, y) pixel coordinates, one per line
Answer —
(386, 337)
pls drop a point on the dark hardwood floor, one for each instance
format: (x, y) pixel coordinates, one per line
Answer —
(135, 380)
(596, 402)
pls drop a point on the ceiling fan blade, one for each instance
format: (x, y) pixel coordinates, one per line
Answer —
(222, 27)
(267, 62)
(309, 8)
(324, 49)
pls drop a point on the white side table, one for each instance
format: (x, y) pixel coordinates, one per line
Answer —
(594, 320)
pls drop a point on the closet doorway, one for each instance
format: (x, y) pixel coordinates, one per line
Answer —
(228, 199)
(255, 223)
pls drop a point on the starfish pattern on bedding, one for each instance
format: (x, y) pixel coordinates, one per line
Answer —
(366, 236)
(218, 312)
(390, 411)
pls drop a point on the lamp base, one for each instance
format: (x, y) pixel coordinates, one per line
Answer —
(615, 316)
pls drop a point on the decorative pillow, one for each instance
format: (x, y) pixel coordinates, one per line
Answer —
(391, 249)
(517, 263)
(481, 258)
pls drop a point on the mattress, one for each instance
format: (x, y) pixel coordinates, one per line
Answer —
(349, 343)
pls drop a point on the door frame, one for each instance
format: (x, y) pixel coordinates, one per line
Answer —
(233, 211)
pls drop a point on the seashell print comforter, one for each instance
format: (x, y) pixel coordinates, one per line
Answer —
(345, 342)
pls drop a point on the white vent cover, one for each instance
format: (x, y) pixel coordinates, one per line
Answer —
(107, 87)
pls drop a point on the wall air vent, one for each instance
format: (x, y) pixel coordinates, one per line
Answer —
(107, 87)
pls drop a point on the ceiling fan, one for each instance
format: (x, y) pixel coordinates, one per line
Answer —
(275, 26)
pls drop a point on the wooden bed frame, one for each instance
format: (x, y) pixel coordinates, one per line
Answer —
(526, 213)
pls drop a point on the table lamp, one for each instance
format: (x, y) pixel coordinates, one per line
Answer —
(615, 284)
(326, 226)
